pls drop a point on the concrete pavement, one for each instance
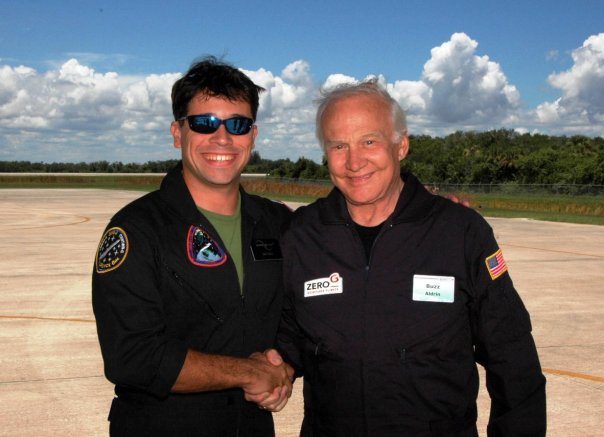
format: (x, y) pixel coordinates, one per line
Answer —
(51, 372)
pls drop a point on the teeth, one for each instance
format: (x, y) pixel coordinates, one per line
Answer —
(219, 157)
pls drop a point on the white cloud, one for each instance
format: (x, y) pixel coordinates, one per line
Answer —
(581, 106)
(293, 88)
(286, 115)
(465, 87)
(458, 89)
(548, 112)
(73, 112)
(413, 96)
(333, 80)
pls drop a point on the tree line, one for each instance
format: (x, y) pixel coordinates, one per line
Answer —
(491, 157)
(505, 156)
(86, 167)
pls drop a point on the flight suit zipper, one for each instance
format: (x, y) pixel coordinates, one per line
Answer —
(384, 229)
(181, 281)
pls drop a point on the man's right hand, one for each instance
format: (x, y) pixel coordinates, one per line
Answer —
(264, 377)
(271, 386)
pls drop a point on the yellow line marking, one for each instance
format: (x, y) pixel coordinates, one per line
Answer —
(55, 319)
(574, 375)
(81, 219)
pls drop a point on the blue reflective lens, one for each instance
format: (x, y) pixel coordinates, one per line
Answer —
(207, 124)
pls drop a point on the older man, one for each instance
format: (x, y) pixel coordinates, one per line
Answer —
(393, 295)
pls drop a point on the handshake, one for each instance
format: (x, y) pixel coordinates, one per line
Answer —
(271, 378)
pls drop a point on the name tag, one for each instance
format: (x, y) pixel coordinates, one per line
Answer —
(433, 288)
(266, 249)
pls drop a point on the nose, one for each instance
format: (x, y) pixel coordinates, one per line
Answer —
(221, 136)
(355, 159)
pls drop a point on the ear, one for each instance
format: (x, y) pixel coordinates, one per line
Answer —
(175, 130)
(403, 147)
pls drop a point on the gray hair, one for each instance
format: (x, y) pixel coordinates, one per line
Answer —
(369, 88)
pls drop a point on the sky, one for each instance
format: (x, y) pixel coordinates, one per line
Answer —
(90, 80)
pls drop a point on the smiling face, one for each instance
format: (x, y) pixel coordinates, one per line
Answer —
(213, 161)
(362, 154)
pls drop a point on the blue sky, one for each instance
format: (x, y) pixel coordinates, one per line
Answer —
(90, 80)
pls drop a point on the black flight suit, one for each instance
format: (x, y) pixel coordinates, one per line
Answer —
(388, 345)
(163, 283)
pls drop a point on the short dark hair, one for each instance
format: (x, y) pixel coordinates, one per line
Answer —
(214, 78)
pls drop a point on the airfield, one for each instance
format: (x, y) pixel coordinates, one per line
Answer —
(51, 372)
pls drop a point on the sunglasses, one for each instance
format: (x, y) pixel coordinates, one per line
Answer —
(208, 124)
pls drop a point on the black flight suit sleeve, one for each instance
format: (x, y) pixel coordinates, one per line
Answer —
(131, 327)
(504, 345)
(290, 340)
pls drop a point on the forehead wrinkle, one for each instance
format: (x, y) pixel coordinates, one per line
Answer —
(364, 136)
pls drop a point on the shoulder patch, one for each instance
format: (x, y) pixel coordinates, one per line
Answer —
(112, 250)
(203, 250)
(496, 265)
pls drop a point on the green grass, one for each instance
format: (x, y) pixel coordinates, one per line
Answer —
(585, 209)
(559, 208)
(125, 186)
(82, 180)
(546, 216)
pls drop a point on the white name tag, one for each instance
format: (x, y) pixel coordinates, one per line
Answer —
(433, 288)
(322, 286)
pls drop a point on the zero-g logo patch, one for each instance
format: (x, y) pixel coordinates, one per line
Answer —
(203, 250)
(322, 286)
(112, 250)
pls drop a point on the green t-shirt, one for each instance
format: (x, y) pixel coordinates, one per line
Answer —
(229, 229)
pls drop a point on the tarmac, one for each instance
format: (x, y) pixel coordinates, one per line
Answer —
(51, 371)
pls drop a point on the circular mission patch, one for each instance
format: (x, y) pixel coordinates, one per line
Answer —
(112, 251)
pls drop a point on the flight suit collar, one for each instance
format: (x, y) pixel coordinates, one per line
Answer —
(176, 195)
(414, 203)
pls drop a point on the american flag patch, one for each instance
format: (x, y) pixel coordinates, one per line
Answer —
(496, 265)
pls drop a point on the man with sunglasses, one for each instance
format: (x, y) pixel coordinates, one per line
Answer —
(187, 280)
